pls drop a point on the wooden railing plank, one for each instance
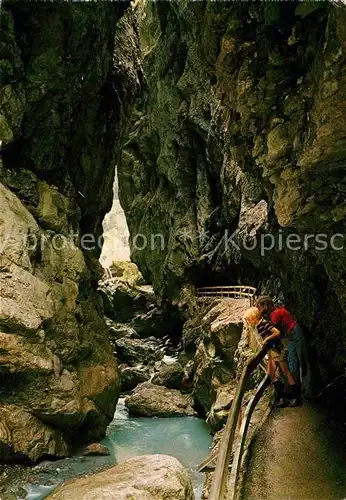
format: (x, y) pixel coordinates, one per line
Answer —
(215, 288)
(231, 291)
(239, 447)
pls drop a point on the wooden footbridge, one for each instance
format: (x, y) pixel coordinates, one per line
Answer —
(229, 291)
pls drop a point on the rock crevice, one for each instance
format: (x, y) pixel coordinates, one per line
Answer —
(67, 84)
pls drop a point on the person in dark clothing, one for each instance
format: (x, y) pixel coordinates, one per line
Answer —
(294, 338)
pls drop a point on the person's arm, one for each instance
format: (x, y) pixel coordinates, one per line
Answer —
(274, 334)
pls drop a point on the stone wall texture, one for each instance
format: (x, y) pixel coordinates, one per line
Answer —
(67, 85)
(241, 128)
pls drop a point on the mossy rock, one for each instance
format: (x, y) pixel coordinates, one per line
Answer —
(127, 271)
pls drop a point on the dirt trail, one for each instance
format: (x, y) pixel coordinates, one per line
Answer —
(298, 455)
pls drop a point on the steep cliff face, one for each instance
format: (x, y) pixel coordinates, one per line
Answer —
(69, 79)
(241, 128)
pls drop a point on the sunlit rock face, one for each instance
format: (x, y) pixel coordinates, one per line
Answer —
(66, 88)
(241, 128)
(115, 233)
(149, 477)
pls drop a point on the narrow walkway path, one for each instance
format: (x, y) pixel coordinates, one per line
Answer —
(298, 455)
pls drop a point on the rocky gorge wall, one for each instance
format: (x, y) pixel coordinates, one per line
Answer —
(68, 80)
(240, 127)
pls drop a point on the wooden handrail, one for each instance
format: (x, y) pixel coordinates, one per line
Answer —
(226, 286)
(231, 291)
(225, 293)
(239, 448)
(230, 287)
(219, 481)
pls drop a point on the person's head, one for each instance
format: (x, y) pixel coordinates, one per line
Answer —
(265, 305)
(252, 316)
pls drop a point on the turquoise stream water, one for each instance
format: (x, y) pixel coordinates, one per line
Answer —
(186, 438)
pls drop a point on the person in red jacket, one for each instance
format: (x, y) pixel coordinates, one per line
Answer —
(297, 350)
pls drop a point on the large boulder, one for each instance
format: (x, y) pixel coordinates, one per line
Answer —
(149, 400)
(127, 271)
(56, 367)
(214, 365)
(225, 347)
(126, 302)
(137, 351)
(150, 322)
(170, 375)
(149, 477)
(22, 434)
(131, 376)
(120, 330)
(96, 449)
(122, 301)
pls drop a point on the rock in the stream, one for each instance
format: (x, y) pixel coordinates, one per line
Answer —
(152, 322)
(149, 400)
(137, 351)
(120, 330)
(127, 271)
(149, 477)
(122, 301)
(96, 449)
(131, 376)
(24, 435)
(170, 375)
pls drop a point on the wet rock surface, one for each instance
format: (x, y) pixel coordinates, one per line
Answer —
(96, 449)
(150, 400)
(131, 376)
(21, 433)
(56, 379)
(129, 302)
(151, 477)
(120, 330)
(214, 363)
(58, 376)
(122, 301)
(138, 351)
(237, 131)
(170, 375)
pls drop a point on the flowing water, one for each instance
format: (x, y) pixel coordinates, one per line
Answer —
(186, 438)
